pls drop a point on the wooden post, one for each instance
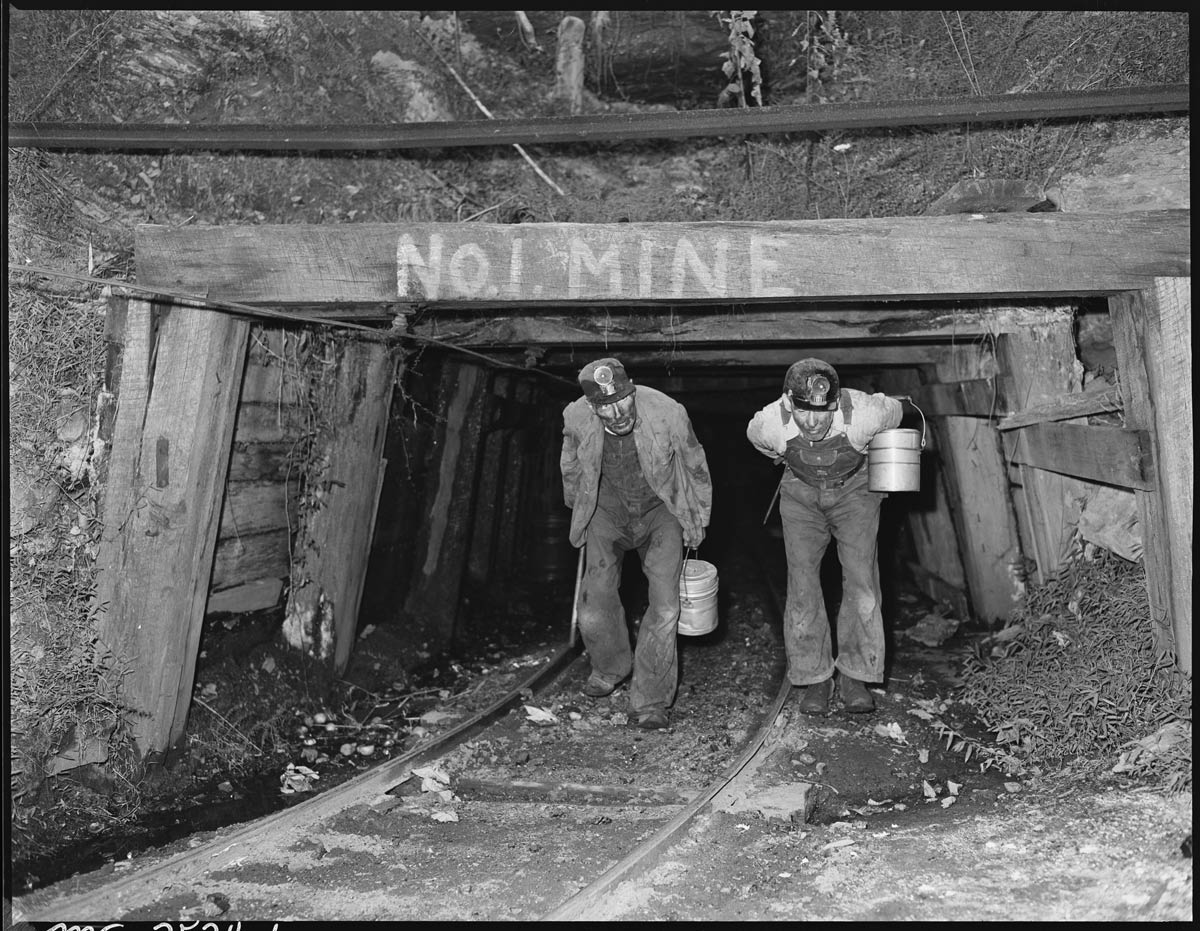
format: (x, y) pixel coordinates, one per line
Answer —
(987, 528)
(487, 504)
(181, 375)
(442, 541)
(568, 81)
(333, 544)
(516, 466)
(939, 570)
(1041, 362)
(1152, 333)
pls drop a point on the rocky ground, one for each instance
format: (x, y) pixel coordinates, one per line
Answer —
(879, 816)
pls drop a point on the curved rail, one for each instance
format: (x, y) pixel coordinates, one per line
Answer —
(134, 893)
(108, 900)
(582, 903)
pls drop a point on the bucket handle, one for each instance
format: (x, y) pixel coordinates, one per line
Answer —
(908, 398)
(683, 573)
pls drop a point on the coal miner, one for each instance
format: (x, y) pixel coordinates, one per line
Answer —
(821, 432)
(636, 478)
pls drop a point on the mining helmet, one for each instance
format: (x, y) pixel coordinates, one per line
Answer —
(605, 382)
(812, 384)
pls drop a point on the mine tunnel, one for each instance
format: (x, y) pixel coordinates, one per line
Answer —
(372, 461)
(506, 519)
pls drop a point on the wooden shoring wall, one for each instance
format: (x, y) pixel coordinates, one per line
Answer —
(261, 505)
(1152, 333)
(180, 378)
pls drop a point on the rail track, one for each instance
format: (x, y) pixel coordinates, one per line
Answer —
(540, 806)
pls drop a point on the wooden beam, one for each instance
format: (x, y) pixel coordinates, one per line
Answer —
(334, 540)
(736, 360)
(1152, 334)
(977, 483)
(1043, 366)
(258, 506)
(1067, 407)
(975, 397)
(530, 264)
(293, 137)
(246, 558)
(931, 521)
(175, 425)
(689, 325)
(1112, 455)
(443, 540)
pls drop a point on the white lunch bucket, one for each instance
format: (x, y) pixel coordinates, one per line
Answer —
(697, 598)
(894, 460)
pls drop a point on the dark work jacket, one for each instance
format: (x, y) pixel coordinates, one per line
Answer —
(671, 457)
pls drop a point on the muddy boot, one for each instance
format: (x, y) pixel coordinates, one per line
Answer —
(855, 696)
(597, 686)
(816, 698)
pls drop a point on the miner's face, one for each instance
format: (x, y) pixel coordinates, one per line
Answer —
(813, 425)
(618, 417)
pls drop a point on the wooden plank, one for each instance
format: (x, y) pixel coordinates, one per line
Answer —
(250, 596)
(270, 423)
(257, 462)
(604, 128)
(444, 537)
(940, 590)
(246, 558)
(977, 482)
(1152, 337)
(334, 541)
(699, 326)
(732, 359)
(929, 514)
(975, 397)
(257, 507)
(1112, 455)
(484, 264)
(271, 384)
(529, 790)
(160, 556)
(1065, 408)
(487, 489)
(1042, 363)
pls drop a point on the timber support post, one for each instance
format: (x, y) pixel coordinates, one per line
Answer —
(181, 376)
(1152, 334)
(333, 543)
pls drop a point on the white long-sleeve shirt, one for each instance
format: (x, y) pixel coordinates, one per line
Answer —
(770, 429)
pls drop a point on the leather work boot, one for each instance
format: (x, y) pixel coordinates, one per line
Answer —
(653, 720)
(816, 697)
(597, 686)
(855, 696)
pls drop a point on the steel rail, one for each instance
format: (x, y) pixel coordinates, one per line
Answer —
(583, 904)
(225, 850)
(602, 129)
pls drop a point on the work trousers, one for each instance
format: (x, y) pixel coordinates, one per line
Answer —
(654, 662)
(849, 514)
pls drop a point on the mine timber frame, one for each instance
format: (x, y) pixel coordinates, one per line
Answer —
(925, 293)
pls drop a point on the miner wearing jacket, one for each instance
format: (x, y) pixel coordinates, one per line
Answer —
(636, 478)
(821, 432)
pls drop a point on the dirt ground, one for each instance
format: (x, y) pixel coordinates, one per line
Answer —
(871, 817)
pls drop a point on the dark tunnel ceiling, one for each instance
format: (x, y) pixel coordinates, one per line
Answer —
(700, 348)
